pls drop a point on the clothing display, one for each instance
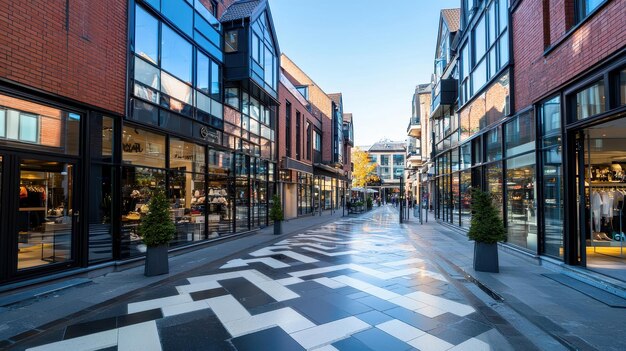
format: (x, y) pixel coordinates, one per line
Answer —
(607, 212)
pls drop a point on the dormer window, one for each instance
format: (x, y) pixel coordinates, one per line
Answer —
(304, 91)
(231, 41)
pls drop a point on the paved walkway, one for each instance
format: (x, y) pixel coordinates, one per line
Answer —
(536, 304)
(22, 320)
(356, 283)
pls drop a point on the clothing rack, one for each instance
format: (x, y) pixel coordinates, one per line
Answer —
(608, 187)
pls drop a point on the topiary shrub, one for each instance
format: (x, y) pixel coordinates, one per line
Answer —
(486, 226)
(157, 228)
(276, 211)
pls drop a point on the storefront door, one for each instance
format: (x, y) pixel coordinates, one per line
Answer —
(601, 193)
(40, 216)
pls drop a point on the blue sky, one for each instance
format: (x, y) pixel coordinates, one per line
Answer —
(374, 52)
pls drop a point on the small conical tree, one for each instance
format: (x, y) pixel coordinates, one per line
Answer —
(487, 226)
(157, 228)
(276, 211)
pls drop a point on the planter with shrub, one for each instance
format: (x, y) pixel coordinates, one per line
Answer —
(276, 215)
(157, 230)
(486, 229)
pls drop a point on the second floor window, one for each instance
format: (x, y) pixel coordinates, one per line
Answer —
(585, 7)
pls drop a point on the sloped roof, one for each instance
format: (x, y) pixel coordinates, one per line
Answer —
(452, 18)
(240, 9)
(336, 98)
(388, 146)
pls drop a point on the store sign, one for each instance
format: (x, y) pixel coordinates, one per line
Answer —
(132, 147)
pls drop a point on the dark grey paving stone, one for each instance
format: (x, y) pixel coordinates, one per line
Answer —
(318, 311)
(448, 318)
(139, 317)
(451, 335)
(329, 274)
(345, 303)
(200, 330)
(273, 339)
(85, 328)
(378, 340)
(207, 294)
(347, 290)
(374, 317)
(417, 320)
(402, 290)
(376, 303)
(248, 294)
(470, 327)
(589, 290)
(266, 308)
(351, 344)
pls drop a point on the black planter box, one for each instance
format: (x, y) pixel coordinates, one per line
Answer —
(486, 257)
(278, 228)
(157, 261)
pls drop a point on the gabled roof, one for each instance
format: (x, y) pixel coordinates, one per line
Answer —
(388, 146)
(252, 9)
(452, 18)
(336, 98)
(240, 9)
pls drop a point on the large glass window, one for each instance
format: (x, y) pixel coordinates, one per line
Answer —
(398, 160)
(520, 134)
(466, 156)
(590, 101)
(521, 204)
(180, 13)
(176, 54)
(494, 183)
(480, 39)
(494, 144)
(146, 35)
(140, 147)
(551, 156)
(384, 160)
(466, 198)
(28, 123)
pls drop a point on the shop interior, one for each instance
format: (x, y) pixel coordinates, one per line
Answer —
(605, 191)
(45, 213)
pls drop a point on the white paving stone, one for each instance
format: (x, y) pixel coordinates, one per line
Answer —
(331, 254)
(330, 332)
(331, 283)
(429, 342)
(184, 308)
(286, 318)
(139, 337)
(289, 281)
(367, 287)
(198, 287)
(269, 261)
(227, 309)
(472, 344)
(400, 330)
(441, 303)
(408, 303)
(403, 262)
(89, 342)
(158, 303)
(277, 291)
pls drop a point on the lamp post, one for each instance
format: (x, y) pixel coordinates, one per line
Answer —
(402, 195)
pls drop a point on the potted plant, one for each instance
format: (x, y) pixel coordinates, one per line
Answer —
(157, 230)
(369, 203)
(486, 230)
(276, 214)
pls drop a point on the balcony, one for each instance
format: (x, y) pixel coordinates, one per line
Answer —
(415, 128)
(443, 94)
(413, 157)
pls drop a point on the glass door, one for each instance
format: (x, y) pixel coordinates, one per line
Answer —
(45, 218)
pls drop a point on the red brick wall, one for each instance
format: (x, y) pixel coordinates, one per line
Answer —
(86, 63)
(286, 96)
(537, 76)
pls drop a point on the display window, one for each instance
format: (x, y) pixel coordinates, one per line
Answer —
(45, 218)
(187, 206)
(143, 148)
(521, 203)
(138, 185)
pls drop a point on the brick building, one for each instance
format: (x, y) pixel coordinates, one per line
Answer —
(102, 102)
(331, 168)
(536, 118)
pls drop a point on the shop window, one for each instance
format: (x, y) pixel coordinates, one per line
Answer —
(590, 101)
(520, 134)
(494, 144)
(454, 160)
(231, 41)
(102, 138)
(187, 206)
(477, 153)
(138, 186)
(143, 148)
(521, 204)
(146, 35)
(28, 123)
(100, 215)
(465, 203)
(494, 183)
(622, 87)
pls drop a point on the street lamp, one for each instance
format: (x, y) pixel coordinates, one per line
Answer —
(402, 194)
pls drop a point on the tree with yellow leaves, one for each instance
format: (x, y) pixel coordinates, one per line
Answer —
(362, 167)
